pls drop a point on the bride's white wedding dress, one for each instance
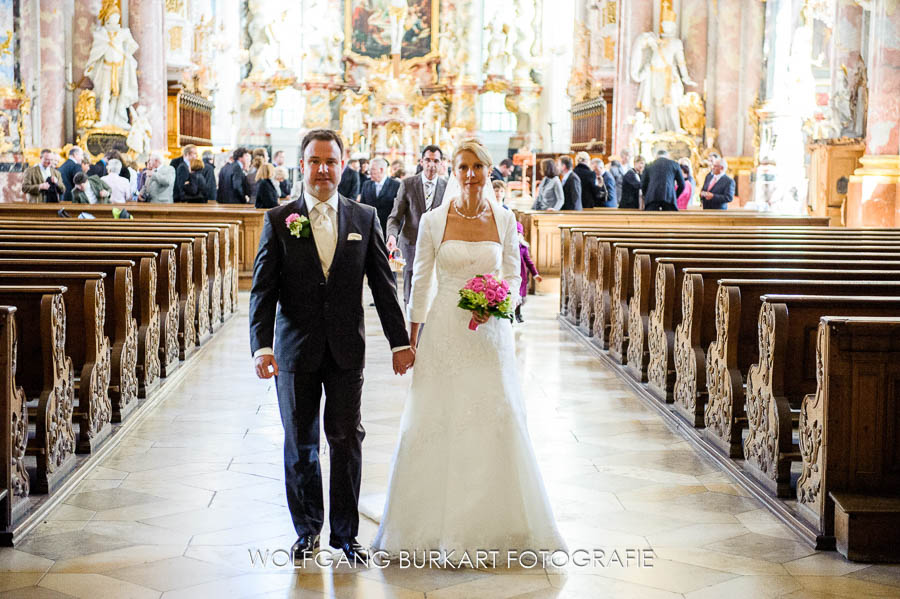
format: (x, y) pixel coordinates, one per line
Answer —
(464, 474)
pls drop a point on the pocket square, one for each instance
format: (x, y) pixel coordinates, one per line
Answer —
(354, 237)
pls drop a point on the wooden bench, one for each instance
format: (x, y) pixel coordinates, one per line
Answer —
(175, 311)
(736, 346)
(14, 485)
(193, 284)
(673, 297)
(46, 375)
(788, 327)
(844, 436)
(121, 326)
(631, 277)
(86, 345)
(212, 236)
(698, 326)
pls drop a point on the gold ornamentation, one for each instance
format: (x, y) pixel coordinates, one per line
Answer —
(86, 110)
(108, 8)
(176, 38)
(693, 114)
(175, 6)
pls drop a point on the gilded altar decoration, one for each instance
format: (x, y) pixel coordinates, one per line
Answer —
(693, 114)
(659, 66)
(86, 110)
(113, 69)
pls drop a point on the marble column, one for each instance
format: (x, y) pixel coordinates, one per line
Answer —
(29, 65)
(52, 73)
(84, 21)
(635, 17)
(845, 49)
(728, 78)
(874, 195)
(147, 24)
(694, 35)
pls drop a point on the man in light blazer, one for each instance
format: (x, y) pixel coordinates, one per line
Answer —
(417, 195)
(718, 188)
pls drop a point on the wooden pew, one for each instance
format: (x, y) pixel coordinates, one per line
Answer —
(193, 285)
(787, 340)
(735, 349)
(14, 485)
(46, 375)
(220, 303)
(174, 313)
(698, 327)
(121, 327)
(86, 345)
(674, 297)
(588, 252)
(632, 267)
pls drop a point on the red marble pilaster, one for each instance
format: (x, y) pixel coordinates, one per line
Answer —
(146, 19)
(52, 74)
(635, 17)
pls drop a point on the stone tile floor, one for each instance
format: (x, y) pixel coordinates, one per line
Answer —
(173, 511)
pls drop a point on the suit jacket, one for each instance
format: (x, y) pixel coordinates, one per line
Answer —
(209, 174)
(97, 185)
(32, 181)
(631, 191)
(222, 191)
(291, 294)
(591, 194)
(384, 201)
(609, 182)
(349, 185)
(496, 175)
(284, 188)
(98, 169)
(723, 192)
(662, 182)
(237, 186)
(158, 188)
(572, 193)
(68, 170)
(195, 189)
(409, 206)
(182, 174)
(266, 194)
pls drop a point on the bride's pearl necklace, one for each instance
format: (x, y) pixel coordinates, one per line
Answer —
(477, 216)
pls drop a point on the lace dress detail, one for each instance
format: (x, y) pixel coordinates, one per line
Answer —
(464, 474)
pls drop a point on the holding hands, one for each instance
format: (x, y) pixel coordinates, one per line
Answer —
(404, 360)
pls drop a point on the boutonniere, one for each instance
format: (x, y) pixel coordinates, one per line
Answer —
(298, 225)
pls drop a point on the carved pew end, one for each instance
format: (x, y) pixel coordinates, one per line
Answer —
(865, 526)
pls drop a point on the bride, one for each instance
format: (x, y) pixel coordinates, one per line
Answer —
(464, 475)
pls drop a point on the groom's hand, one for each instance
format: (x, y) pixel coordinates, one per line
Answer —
(404, 360)
(266, 366)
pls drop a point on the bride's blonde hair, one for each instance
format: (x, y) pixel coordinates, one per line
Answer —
(474, 146)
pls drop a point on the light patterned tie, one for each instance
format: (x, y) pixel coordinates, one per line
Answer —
(429, 194)
(325, 236)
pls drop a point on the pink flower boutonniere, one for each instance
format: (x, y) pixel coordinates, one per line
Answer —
(298, 225)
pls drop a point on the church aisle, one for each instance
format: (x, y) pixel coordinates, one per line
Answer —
(173, 511)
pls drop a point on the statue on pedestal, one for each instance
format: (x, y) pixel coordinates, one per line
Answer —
(141, 131)
(658, 65)
(498, 58)
(113, 68)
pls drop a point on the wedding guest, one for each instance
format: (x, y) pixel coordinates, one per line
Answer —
(183, 172)
(86, 165)
(209, 174)
(631, 186)
(398, 171)
(266, 193)
(236, 185)
(281, 182)
(89, 190)
(503, 170)
(380, 191)
(363, 172)
(222, 193)
(43, 183)
(120, 189)
(349, 186)
(718, 188)
(158, 182)
(500, 192)
(606, 182)
(259, 157)
(550, 191)
(571, 185)
(685, 198)
(68, 170)
(661, 183)
(195, 191)
(527, 267)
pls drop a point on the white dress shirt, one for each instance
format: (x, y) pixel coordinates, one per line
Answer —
(324, 245)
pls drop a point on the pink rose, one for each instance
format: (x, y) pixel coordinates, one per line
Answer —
(490, 296)
(504, 284)
(501, 295)
(291, 219)
(478, 286)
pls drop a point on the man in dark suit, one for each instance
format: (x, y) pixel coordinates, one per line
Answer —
(68, 170)
(662, 182)
(590, 192)
(718, 188)
(416, 195)
(349, 186)
(183, 172)
(233, 178)
(284, 186)
(503, 170)
(380, 190)
(571, 185)
(99, 167)
(308, 286)
(222, 195)
(607, 182)
(631, 186)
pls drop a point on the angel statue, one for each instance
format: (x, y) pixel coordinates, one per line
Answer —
(141, 131)
(658, 65)
(113, 68)
(352, 125)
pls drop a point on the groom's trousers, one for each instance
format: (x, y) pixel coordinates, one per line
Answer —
(299, 396)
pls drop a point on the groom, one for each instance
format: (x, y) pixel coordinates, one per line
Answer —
(307, 283)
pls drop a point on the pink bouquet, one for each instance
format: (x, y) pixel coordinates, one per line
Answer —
(487, 296)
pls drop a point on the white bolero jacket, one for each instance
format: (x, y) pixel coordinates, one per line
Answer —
(431, 235)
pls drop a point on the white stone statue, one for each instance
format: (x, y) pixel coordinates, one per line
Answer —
(262, 49)
(498, 55)
(397, 10)
(658, 65)
(141, 132)
(352, 125)
(113, 69)
(323, 55)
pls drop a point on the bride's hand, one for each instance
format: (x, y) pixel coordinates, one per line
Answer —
(479, 317)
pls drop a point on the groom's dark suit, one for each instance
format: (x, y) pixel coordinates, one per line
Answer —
(321, 343)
